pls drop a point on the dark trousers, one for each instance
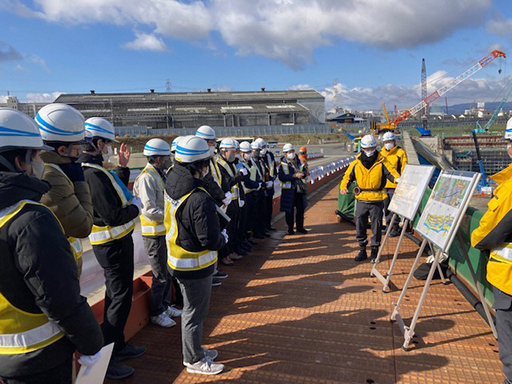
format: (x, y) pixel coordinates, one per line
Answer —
(248, 214)
(388, 214)
(233, 212)
(299, 206)
(61, 374)
(374, 212)
(116, 259)
(503, 307)
(196, 301)
(269, 207)
(260, 213)
(161, 283)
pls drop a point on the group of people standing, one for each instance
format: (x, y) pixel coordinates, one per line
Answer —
(193, 203)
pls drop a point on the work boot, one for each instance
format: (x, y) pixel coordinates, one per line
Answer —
(373, 254)
(395, 232)
(130, 352)
(361, 256)
(117, 370)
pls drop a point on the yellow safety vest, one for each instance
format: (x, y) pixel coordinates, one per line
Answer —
(286, 171)
(234, 189)
(22, 332)
(106, 234)
(76, 244)
(149, 227)
(179, 258)
(252, 175)
(214, 169)
(271, 165)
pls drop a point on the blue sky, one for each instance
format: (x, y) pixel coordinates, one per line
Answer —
(373, 47)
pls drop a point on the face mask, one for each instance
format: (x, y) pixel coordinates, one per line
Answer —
(248, 156)
(238, 156)
(264, 151)
(369, 153)
(106, 156)
(231, 158)
(37, 169)
(389, 146)
(256, 154)
(212, 151)
(290, 156)
(509, 150)
(167, 164)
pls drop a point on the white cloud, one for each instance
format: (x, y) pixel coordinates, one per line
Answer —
(284, 30)
(501, 26)
(3, 99)
(35, 97)
(364, 99)
(146, 42)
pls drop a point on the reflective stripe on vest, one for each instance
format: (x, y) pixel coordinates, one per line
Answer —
(271, 165)
(147, 226)
(499, 268)
(76, 244)
(178, 258)
(214, 169)
(102, 235)
(286, 171)
(246, 166)
(234, 189)
(22, 332)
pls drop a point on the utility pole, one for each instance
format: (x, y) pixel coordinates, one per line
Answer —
(168, 87)
(424, 92)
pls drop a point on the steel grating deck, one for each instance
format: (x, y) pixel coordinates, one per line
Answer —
(300, 310)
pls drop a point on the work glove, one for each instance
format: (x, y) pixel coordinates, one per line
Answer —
(243, 171)
(225, 234)
(73, 171)
(241, 203)
(138, 203)
(269, 184)
(227, 198)
(224, 208)
(89, 360)
(398, 179)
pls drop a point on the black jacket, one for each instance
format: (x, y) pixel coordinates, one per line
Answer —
(108, 208)
(198, 221)
(38, 274)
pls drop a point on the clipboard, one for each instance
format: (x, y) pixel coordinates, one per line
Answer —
(96, 373)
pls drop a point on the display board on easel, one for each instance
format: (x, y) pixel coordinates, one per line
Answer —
(438, 224)
(405, 202)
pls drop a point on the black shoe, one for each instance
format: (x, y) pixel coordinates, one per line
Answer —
(394, 233)
(220, 275)
(373, 254)
(361, 256)
(246, 247)
(271, 228)
(291, 232)
(216, 282)
(302, 230)
(130, 352)
(240, 251)
(258, 236)
(117, 370)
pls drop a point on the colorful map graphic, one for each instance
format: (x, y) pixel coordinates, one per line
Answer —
(440, 224)
(451, 191)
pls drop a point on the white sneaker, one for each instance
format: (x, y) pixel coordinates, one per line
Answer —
(211, 353)
(173, 312)
(163, 320)
(206, 366)
(236, 256)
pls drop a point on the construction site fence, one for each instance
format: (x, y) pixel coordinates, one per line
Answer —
(135, 131)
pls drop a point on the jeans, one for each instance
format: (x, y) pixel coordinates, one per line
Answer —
(196, 300)
(116, 259)
(161, 283)
(503, 306)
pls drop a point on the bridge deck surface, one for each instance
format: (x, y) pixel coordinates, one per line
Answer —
(299, 309)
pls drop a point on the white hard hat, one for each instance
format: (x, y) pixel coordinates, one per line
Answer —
(388, 136)
(206, 132)
(191, 149)
(508, 130)
(175, 142)
(368, 141)
(256, 144)
(99, 127)
(227, 144)
(60, 123)
(262, 142)
(245, 146)
(288, 147)
(157, 147)
(19, 131)
(237, 144)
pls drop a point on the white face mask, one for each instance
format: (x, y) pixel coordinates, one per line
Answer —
(248, 156)
(264, 151)
(37, 169)
(509, 151)
(389, 146)
(231, 157)
(106, 156)
(290, 156)
(212, 151)
(369, 153)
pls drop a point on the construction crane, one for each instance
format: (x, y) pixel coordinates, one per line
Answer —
(389, 126)
(494, 116)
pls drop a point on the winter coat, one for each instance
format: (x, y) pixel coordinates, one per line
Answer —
(151, 194)
(108, 208)
(39, 275)
(288, 194)
(398, 160)
(69, 201)
(198, 221)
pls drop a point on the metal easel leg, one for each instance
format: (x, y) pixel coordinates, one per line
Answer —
(395, 256)
(388, 231)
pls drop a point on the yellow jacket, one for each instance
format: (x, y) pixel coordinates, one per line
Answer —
(495, 233)
(370, 181)
(397, 158)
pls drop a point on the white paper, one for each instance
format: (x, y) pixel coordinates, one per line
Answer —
(96, 373)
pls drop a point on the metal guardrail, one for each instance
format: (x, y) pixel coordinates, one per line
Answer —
(228, 131)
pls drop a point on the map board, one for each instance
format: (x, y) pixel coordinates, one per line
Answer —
(409, 191)
(446, 206)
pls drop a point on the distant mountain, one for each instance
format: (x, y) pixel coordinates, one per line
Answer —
(458, 109)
